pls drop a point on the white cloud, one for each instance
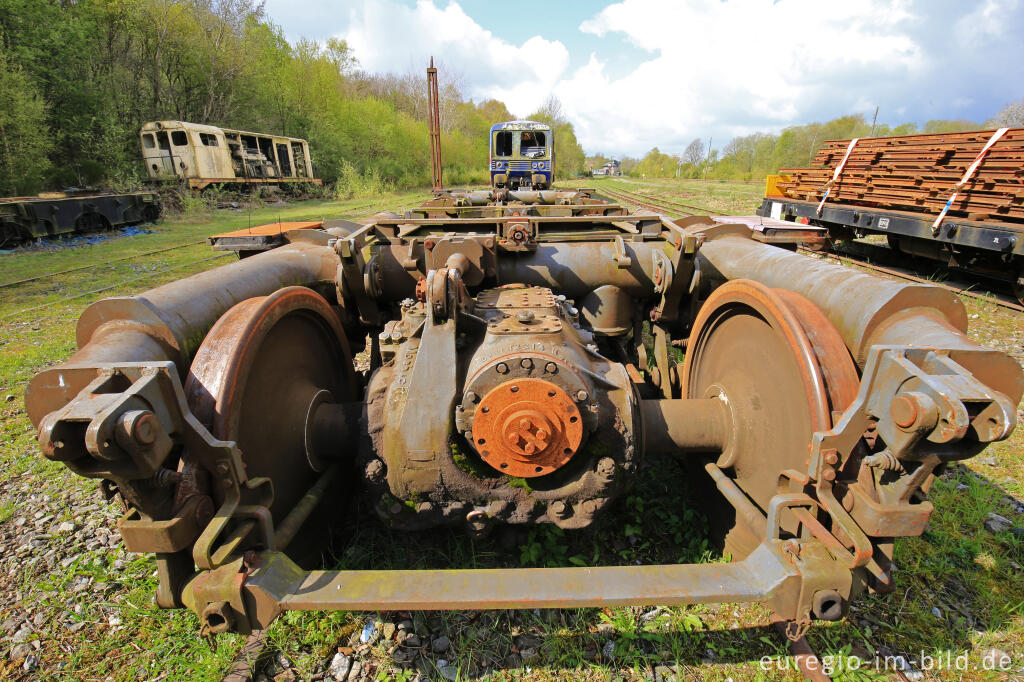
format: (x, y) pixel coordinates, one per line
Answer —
(728, 68)
(388, 36)
(717, 67)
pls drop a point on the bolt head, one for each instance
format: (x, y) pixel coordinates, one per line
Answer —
(146, 429)
(582, 395)
(550, 368)
(829, 475)
(526, 363)
(904, 411)
(502, 368)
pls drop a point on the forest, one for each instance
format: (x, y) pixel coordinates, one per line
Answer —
(80, 77)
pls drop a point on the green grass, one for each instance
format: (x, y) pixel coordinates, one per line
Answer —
(972, 576)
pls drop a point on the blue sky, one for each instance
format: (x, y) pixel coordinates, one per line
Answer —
(634, 74)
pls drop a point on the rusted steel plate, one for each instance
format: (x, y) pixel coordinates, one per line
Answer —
(269, 229)
(758, 578)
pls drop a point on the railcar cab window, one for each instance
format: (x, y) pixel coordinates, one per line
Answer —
(503, 143)
(147, 141)
(532, 144)
(208, 139)
(179, 138)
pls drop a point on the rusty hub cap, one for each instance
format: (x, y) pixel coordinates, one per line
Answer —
(527, 428)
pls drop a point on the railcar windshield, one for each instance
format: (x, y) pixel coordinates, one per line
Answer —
(503, 143)
(532, 144)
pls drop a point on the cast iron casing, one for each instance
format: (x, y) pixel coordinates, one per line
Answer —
(519, 336)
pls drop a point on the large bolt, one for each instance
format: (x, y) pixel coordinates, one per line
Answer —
(559, 509)
(551, 368)
(903, 411)
(525, 316)
(141, 426)
(526, 363)
(913, 411)
(472, 397)
(502, 368)
(582, 395)
(606, 468)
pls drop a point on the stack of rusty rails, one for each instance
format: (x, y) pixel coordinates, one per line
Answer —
(918, 173)
(955, 198)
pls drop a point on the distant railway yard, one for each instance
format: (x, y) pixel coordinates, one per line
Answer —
(77, 605)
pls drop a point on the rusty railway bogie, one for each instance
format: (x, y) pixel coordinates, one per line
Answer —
(506, 346)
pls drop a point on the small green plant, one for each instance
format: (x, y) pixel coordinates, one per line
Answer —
(356, 184)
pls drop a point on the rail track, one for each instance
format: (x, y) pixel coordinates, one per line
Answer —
(672, 208)
(99, 265)
(654, 204)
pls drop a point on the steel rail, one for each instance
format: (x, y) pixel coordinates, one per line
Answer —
(107, 263)
(635, 198)
(116, 284)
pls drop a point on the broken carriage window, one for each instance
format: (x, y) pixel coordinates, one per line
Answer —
(208, 139)
(503, 143)
(300, 159)
(147, 141)
(179, 138)
(532, 143)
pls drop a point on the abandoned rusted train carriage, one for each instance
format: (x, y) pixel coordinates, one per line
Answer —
(509, 383)
(205, 155)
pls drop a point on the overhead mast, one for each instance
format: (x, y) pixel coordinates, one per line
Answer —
(435, 126)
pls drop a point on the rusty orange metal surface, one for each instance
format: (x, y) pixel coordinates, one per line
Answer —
(527, 427)
(271, 229)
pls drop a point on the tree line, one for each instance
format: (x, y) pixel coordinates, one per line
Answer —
(79, 77)
(751, 157)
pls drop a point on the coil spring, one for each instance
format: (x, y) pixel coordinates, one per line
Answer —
(883, 460)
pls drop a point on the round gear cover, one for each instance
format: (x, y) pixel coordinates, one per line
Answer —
(527, 428)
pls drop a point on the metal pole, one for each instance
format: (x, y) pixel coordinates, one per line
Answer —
(435, 125)
(707, 160)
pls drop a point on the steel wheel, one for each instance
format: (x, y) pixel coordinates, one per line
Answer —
(255, 375)
(783, 369)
